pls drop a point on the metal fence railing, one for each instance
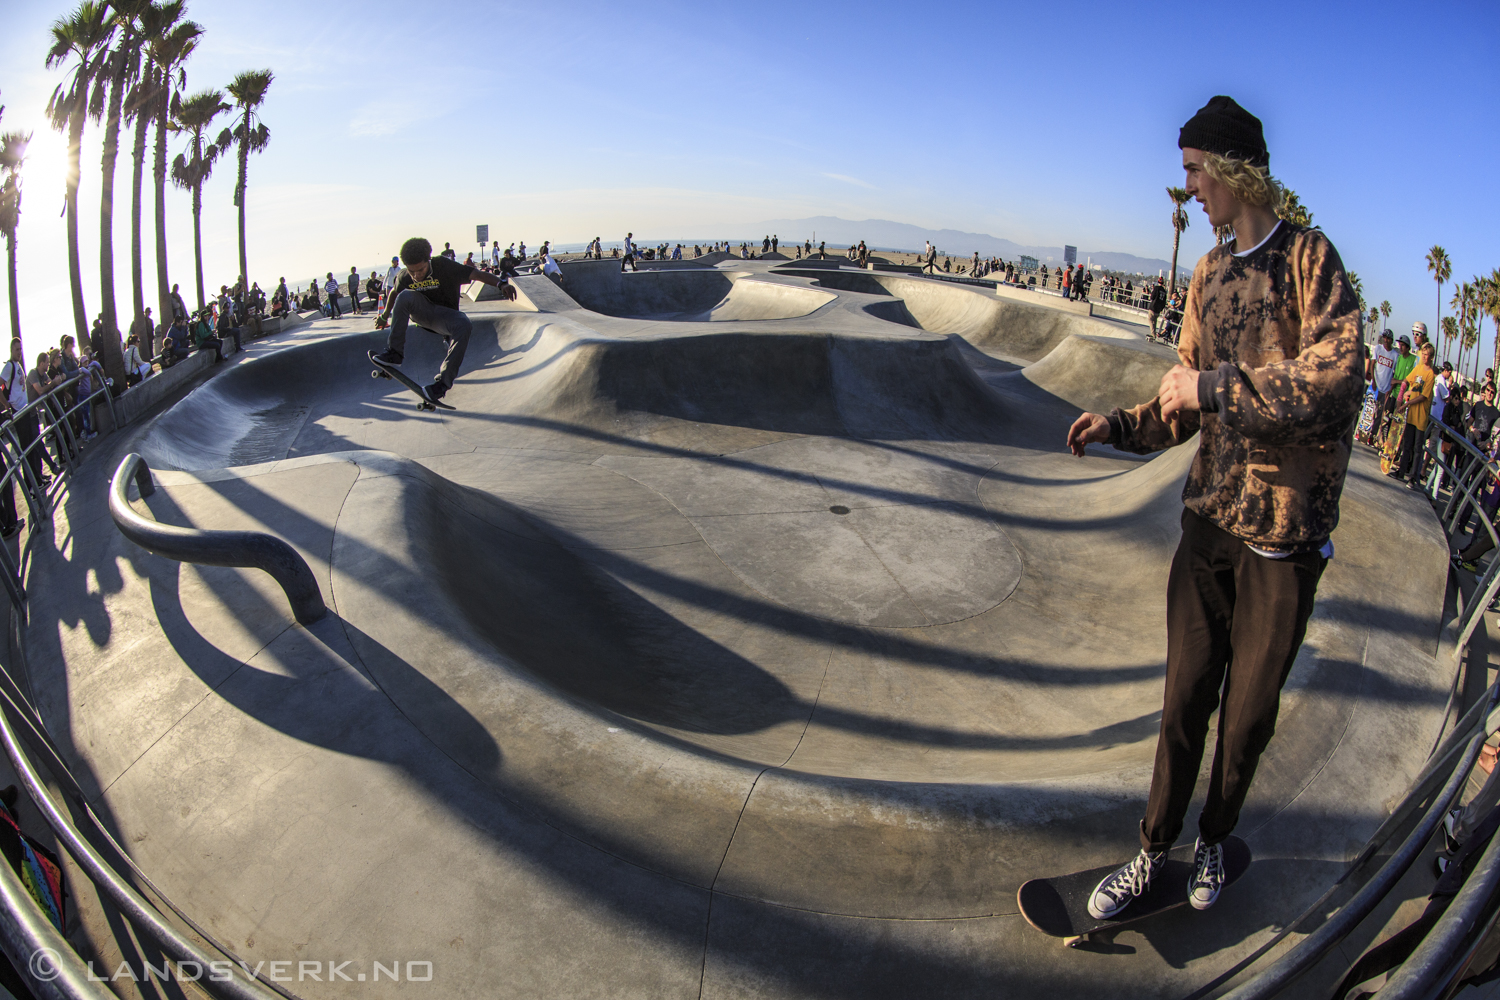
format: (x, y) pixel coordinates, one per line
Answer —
(39, 952)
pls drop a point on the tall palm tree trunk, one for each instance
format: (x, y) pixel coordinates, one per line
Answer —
(159, 175)
(1439, 328)
(198, 241)
(137, 175)
(10, 277)
(114, 358)
(75, 272)
(239, 198)
(1176, 240)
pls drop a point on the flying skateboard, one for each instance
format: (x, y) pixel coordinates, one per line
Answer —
(425, 402)
(1059, 906)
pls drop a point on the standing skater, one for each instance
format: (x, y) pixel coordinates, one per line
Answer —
(1158, 303)
(354, 291)
(332, 288)
(629, 257)
(1269, 377)
(426, 291)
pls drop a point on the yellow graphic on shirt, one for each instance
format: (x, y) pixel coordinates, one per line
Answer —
(425, 284)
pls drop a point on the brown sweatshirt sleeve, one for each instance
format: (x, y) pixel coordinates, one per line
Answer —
(1313, 397)
(1141, 429)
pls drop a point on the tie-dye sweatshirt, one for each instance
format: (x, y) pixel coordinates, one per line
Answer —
(1276, 334)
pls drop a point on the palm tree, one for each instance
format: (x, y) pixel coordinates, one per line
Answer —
(193, 116)
(1293, 211)
(1462, 297)
(76, 39)
(154, 23)
(1442, 269)
(1489, 302)
(169, 50)
(1450, 335)
(119, 68)
(1179, 198)
(1375, 319)
(12, 156)
(249, 135)
(1385, 312)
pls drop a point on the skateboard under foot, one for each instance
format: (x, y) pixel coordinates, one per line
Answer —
(1059, 906)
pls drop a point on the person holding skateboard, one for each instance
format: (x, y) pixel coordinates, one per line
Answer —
(1270, 375)
(426, 292)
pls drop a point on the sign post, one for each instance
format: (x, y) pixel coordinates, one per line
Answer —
(482, 234)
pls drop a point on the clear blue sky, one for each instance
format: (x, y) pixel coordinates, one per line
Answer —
(1044, 125)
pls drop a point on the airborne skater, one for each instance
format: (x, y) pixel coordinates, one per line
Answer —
(1269, 375)
(426, 292)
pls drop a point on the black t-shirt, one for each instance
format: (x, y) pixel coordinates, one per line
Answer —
(444, 281)
(1482, 418)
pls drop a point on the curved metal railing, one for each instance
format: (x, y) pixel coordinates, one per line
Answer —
(43, 955)
(250, 549)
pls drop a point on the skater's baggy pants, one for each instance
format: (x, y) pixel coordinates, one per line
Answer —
(450, 324)
(1235, 619)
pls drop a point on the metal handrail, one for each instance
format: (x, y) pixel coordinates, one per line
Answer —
(251, 549)
(1449, 945)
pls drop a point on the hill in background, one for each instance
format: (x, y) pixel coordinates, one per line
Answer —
(882, 234)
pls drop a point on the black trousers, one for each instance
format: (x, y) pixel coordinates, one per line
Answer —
(1235, 621)
(27, 429)
(1410, 457)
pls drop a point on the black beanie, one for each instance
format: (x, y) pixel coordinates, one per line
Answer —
(1221, 126)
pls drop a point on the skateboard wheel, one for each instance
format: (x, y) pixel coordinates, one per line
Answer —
(1074, 942)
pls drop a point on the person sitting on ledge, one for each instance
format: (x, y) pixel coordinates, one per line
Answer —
(426, 292)
(1269, 378)
(137, 368)
(179, 331)
(202, 337)
(168, 356)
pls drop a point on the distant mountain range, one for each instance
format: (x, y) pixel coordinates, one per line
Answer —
(882, 234)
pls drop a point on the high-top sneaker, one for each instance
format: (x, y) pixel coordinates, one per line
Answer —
(1208, 875)
(1118, 889)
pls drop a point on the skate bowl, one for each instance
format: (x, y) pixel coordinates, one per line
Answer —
(701, 652)
(699, 294)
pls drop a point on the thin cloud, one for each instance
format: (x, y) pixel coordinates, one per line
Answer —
(382, 118)
(851, 180)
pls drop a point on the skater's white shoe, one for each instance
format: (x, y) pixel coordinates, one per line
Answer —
(1208, 875)
(1120, 887)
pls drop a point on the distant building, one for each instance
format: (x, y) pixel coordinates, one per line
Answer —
(1028, 263)
(1070, 255)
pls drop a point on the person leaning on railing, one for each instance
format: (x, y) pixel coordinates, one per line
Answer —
(39, 381)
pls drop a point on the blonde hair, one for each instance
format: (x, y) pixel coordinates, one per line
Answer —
(1249, 184)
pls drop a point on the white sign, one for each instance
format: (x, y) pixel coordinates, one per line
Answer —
(482, 233)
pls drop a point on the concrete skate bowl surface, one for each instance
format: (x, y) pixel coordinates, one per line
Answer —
(816, 617)
(1008, 328)
(694, 295)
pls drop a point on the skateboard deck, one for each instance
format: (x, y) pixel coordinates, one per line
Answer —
(1059, 906)
(387, 371)
(1366, 426)
(1390, 448)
